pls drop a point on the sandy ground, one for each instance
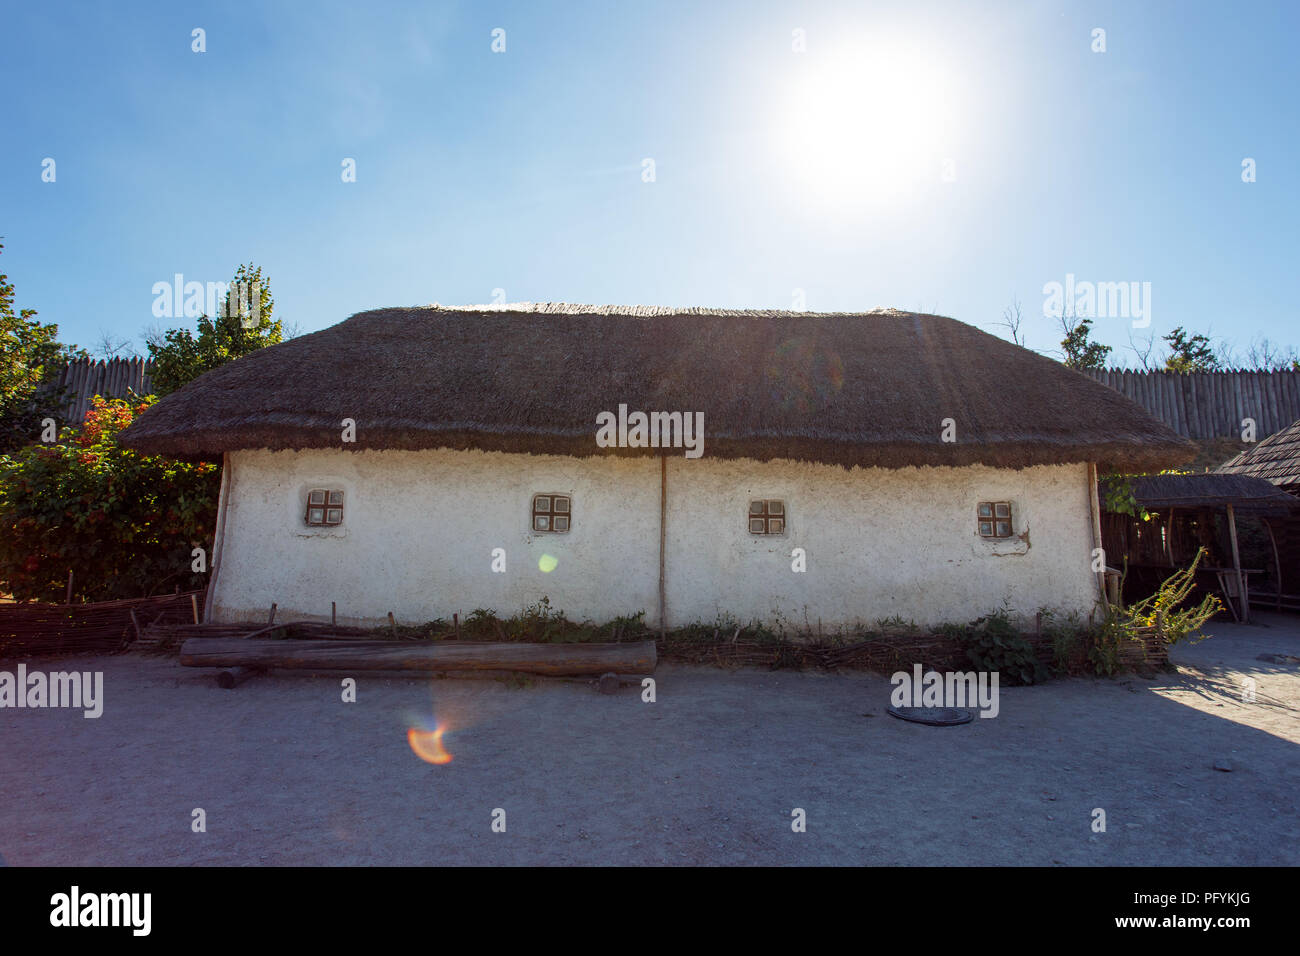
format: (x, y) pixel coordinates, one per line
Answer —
(708, 774)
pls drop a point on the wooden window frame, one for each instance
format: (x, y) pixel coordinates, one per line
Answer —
(1000, 526)
(551, 513)
(330, 507)
(772, 515)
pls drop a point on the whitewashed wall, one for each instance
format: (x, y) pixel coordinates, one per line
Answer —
(879, 543)
(420, 527)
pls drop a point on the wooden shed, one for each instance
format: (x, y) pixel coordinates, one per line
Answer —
(1276, 460)
(1186, 513)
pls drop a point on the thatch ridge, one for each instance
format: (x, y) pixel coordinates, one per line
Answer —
(866, 388)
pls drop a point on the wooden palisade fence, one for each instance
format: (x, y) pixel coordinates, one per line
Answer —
(1203, 405)
(115, 378)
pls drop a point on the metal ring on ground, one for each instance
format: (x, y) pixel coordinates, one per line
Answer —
(935, 716)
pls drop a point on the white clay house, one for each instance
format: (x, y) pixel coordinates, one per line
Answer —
(691, 463)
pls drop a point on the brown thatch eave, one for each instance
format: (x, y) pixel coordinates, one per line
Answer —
(850, 389)
(1211, 490)
(1275, 459)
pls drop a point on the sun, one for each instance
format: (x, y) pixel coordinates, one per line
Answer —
(866, 125)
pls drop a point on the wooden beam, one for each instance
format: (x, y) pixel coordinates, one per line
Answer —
(1236, 567)
(551, 659)
(1277, 561)
(219, 538)
(663, 520)
(260, 631)
(1094, 507)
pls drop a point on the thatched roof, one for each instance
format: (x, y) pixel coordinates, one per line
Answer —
(1208, 491)
(854, 389)
(1275, 459)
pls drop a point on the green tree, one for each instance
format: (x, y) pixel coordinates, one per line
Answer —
(1080, 352)
(243, 325)
(1190, 353)
(30, 354)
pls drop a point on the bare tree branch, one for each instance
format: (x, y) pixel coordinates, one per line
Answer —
(1143, 352)
(1011, 321)
(108, 346)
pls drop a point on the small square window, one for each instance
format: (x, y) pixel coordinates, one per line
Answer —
(767, 516)
(551, 513)
(318, 513)
(994, 519)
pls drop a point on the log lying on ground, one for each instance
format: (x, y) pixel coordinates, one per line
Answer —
(553, 659)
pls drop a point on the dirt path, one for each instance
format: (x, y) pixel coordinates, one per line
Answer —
(708, 774)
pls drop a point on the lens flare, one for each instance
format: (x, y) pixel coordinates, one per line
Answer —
(427, 744)
(803, 375)
(547, 563)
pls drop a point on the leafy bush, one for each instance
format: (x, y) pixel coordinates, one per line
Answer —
(124, 524)
(994, 643)
(1156, 614)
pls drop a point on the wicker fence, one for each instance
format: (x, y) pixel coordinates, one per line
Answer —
(100, 627)
(1203, 405)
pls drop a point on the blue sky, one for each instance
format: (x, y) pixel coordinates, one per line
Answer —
(774, 170)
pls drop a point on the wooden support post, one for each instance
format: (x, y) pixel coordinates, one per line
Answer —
(194, 606)
(392, 624)
(663, 521)
(455, 622)
(271, 618)
(1094, 509)
(1236, 567)
(69, 600)
(333, 614)
(1277, 561)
